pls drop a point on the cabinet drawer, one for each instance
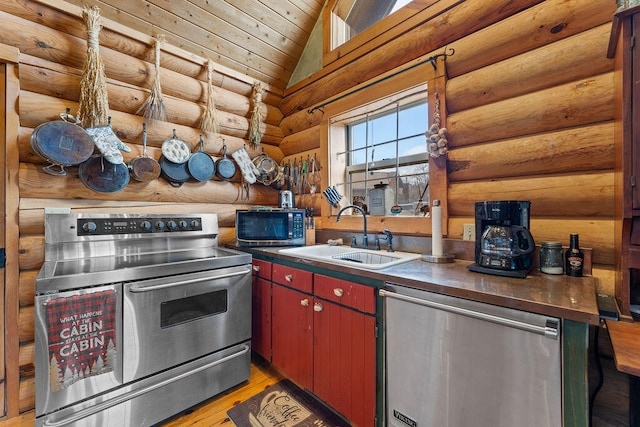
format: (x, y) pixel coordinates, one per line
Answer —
(261, 268)
(360, 297)
(292, 277)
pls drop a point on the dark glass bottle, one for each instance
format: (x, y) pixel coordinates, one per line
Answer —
(573, 258)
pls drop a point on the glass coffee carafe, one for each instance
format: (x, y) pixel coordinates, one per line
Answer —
(503, 245)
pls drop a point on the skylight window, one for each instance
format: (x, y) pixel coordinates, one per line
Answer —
(351, 17)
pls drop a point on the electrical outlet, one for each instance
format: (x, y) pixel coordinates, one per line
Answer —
(468, 232)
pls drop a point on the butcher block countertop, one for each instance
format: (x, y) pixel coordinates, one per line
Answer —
(572, 298)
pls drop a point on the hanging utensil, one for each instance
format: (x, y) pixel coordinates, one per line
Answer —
(268, 170)
(287, 174)
(103, 176)
(304, 175)
(201, 165)
(295, 175)
(225, 168)
(312, 180)
(144, 168)
(62, 143)
(175, 173)
(176, 150)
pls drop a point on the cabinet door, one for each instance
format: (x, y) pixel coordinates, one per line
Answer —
(292, 334)
(261, 317)
(345, 361)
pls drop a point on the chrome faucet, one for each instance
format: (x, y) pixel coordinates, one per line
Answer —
(365, 238)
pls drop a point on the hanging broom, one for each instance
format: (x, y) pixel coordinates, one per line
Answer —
(255, 132)
(93, 109)
(209, 122)
(154, 107)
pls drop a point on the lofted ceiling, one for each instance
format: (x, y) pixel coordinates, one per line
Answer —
(262, 39)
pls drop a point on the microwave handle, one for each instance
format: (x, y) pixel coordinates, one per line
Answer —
(137, 289)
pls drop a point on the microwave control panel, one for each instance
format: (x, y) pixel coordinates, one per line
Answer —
(298, 225)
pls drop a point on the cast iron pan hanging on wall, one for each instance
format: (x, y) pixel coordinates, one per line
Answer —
(225, 168)
(201, 166)
(175, 173)
(103, 176)
(62, 143)
(144, 168)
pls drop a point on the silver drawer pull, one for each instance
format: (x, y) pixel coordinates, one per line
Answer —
(318, 307)
(304, 302)
(289, 278)
(338, 292)
(256, 268)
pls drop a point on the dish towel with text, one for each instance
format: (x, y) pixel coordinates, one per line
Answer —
(81, 337)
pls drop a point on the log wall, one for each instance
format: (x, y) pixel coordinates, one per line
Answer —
(530, 116)
(529, 111)
(52, 45)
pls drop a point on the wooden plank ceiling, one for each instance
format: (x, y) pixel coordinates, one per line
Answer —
(262, 39)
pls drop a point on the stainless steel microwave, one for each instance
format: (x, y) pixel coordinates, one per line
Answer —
(270, 227)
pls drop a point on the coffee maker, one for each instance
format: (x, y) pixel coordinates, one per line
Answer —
(504, 245)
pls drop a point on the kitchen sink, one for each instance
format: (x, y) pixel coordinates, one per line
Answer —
(353, 257)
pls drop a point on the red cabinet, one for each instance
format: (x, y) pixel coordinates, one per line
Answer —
(292, 334)
(344, 351)
(261, 308)
(324, 339)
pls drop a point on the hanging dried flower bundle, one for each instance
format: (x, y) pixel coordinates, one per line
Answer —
(255, 125)
(437, 143)
(154, 107)
(93, 109)
(209, 122)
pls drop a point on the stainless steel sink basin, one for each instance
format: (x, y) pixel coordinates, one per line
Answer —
(346, 255)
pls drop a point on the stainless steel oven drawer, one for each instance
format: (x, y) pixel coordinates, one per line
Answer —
(172, 320)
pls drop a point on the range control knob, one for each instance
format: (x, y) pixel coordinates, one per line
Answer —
(160, 225)
(146, 225)
(195, 224)
(89, 226)
(171, 225)
(184, 225)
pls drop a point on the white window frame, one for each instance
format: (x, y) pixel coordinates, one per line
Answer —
(338, 150)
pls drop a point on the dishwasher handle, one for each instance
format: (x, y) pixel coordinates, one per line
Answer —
(550, 330)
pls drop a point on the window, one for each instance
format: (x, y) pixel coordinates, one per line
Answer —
(384, 153)
(351, 17)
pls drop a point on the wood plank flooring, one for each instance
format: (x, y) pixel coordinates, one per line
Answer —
(213, 413)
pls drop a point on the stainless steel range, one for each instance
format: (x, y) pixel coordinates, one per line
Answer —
(138, 317)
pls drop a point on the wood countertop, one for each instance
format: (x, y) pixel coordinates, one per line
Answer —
(625, 339)
(572, 298)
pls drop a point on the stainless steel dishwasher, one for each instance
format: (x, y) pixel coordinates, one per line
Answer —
(452, 362)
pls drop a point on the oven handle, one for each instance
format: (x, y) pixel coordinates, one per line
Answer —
(116, 401)
(136, 289)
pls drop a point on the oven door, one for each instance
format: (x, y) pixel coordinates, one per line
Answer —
(176, 319)
(78, 345)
